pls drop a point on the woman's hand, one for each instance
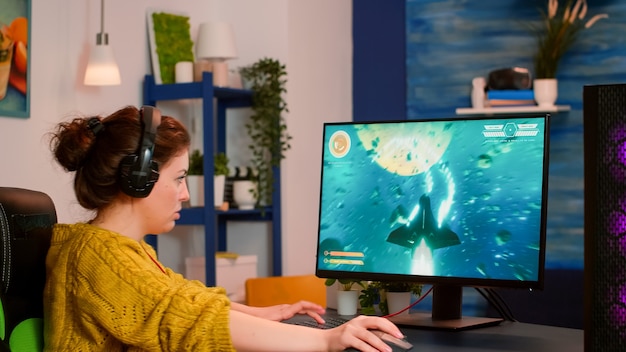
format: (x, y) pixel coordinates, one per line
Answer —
(357, 334)
(252, 333)
(284, 311)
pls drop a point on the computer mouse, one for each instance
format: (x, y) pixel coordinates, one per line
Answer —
(397, 345)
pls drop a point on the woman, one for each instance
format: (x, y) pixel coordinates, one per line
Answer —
(106, 291)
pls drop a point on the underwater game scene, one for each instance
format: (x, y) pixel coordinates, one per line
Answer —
(448, 198)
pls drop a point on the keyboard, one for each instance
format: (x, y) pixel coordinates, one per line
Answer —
(329, 324)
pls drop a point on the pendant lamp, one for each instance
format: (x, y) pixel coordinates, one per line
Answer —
(102, 69)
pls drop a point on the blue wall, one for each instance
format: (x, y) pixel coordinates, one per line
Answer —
(449, 42)
(424, 69)
(379, 78)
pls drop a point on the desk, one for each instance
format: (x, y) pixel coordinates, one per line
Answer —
(508, 336)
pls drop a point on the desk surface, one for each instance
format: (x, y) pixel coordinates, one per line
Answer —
(507, 336)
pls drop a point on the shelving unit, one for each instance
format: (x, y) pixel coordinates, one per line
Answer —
(214, 221)
(512, 110)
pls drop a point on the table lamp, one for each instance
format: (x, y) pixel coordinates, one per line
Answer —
(216, 43)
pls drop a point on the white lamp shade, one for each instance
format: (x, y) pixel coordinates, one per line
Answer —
(102, 69)
(216, 40)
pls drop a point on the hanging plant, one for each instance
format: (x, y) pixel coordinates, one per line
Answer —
(267, 127)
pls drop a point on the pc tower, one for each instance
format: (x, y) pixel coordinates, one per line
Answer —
(604, 123)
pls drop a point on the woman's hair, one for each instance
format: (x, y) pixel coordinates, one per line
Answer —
(94, 146)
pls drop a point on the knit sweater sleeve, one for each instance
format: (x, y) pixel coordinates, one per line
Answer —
(120, 288)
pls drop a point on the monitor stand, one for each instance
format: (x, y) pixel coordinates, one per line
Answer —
(446, 313)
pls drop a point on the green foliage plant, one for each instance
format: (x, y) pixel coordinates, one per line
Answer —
(557, 32)
(368, 298)
(394, 286)
(196, 164)
(266, 127)
(399, 286)
(220, 164)
(344, 284)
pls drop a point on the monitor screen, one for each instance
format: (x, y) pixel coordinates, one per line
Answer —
(450, 202)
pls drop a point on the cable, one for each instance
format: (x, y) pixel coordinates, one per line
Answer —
(492, 297)
(504, 306)
(497, 302)
(410, 305)
(490, 301)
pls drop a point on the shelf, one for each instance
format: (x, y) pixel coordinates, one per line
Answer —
(195, 215)
(512, 110)
(196, 90)
(215, 103)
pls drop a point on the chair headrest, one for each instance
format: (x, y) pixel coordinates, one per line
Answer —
(26, 220)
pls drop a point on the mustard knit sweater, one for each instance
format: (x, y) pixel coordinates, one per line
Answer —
(105, 293)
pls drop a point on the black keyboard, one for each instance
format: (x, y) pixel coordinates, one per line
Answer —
(329, 324)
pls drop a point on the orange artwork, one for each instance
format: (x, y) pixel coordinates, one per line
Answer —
(14, 57)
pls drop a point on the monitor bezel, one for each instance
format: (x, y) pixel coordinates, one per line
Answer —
(449, 280)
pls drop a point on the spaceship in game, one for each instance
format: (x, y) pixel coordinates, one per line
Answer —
(423, 226)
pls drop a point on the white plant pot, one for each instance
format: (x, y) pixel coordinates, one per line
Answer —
(243, 194)
(195, 184)
(347, 302)
(397, 301)
(546, 91)
(219, 182)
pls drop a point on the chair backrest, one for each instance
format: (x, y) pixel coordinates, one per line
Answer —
(26, 219)
(273, 290)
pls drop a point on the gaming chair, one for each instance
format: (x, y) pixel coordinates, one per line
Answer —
(26, 219)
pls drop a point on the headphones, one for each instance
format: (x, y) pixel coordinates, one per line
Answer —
(138, 172)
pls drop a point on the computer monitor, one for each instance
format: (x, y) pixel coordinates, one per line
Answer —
(451, 202)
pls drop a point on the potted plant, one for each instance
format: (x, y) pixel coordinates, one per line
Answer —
(396, 295)
(344, 284)
(195, 178)
(556, 34)
(347, 298)
(369, 297)
(266, 128)
(195, 163)
(220, 171)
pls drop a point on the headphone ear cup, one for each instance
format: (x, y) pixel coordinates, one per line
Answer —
(131, 181)
(137, 172)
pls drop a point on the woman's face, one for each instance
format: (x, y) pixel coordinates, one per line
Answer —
(162, 206)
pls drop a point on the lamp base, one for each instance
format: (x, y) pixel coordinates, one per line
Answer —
(220, 73)
(199, 67)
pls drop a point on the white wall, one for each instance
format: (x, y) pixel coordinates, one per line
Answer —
(313, 37)
(320, 89)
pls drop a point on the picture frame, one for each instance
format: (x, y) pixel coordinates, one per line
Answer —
(15, 24)
(170, 42)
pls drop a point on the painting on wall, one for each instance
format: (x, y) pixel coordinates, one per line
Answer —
(14, 58)
(170, 42)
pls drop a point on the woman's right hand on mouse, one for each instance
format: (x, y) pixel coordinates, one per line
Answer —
(355, 333)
